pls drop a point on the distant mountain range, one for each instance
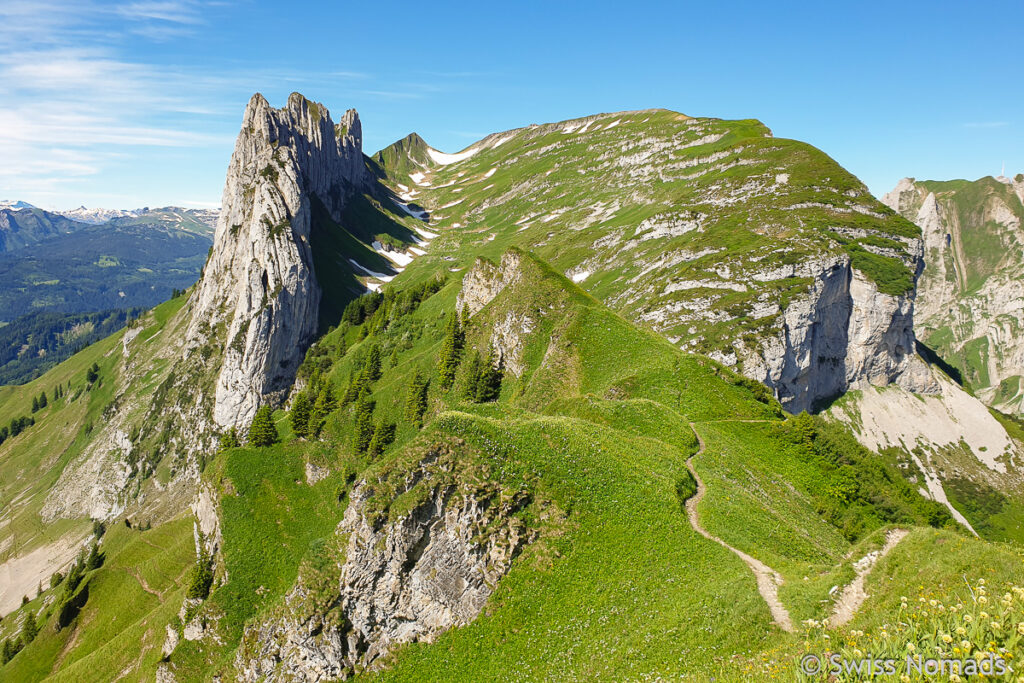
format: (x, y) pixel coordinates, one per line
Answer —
(56, 267)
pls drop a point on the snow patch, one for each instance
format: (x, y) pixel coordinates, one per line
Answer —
(426, 234)
(399, 257)
(371, 273)
(419, 215)
(580, 276)
(491, 172)
(445, 159)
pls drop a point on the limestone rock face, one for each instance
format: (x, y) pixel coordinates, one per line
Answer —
(259, 283)
(400, 581)
(845, 334)
(486, 281)
(970, 303)
(481, 284)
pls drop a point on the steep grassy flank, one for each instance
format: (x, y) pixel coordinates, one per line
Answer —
(698, 228)
(598, 424)
(120, 628)
(270, 520)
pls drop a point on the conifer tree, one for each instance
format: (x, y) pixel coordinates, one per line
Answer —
(371, 367)
(474, 372)
(262, 431)
(8, 652)
(35, 404)
(95, 559)
(42, 400)
(364, 429)
(200, 577)
(489, 383)
(383, 436)
(324, 406)
(451, 350)
(394, 358)
(29, 630)
(299, 415)
(229, 440)
(416, 400)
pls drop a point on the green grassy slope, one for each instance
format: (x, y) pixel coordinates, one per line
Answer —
(674, 222)
(625, 588)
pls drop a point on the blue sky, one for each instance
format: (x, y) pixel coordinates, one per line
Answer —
(138, 103)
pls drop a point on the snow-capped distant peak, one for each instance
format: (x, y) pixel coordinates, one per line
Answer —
(95, 216)
(7, 204)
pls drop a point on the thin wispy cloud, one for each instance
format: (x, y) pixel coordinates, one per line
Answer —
(986, 124)
(175, 12)
(74, 100)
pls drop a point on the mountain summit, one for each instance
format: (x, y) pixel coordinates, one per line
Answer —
(260, 282)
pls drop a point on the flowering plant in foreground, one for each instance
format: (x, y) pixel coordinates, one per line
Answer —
(985, 624)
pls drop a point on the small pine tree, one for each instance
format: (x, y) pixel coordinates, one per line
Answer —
(464, 320)
(356, 388)
(42, 400)
(364, 429)
(92, 374)
(35, 404)
(474, 372)
(29, 629)
(451, 350)
(200, 578)
(8, 652)
(95, 558)
(416, 401)
(324, 406)
(372, 365)
(229, 439)
(262, 431)
(302, 407)
(488, 386)
(383, 436)
(394, 358)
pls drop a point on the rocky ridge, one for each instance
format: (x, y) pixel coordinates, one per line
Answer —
(390, 579)
(260, 284)
(757, 251)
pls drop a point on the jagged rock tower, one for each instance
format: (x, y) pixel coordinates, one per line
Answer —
(259, 282)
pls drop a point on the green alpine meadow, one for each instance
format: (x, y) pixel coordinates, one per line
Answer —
(637, 396)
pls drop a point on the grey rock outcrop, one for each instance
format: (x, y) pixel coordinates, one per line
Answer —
(259, 283)
(390, 582)
(970, 302)
(843, 335)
